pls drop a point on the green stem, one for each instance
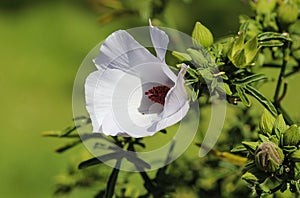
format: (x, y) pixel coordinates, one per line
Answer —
(148, 182)
(110, 189)
(281, 74)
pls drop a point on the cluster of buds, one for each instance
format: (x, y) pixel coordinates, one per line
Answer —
(274, 156)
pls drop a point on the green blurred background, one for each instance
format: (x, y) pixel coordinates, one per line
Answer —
(42, 46)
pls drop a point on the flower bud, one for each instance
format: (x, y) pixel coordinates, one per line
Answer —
(287, 12)
(263, 6)
(202, 36)
(291, 136)
(266, 123)
(268, 157)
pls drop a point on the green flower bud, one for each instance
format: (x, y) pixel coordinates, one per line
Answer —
(263, 6)
(287, 12)
(295, 156)
(291, 136)
(266, 123)
(268, 157)
(202, 36)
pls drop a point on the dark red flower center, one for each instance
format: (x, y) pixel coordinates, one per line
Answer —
(157, 94)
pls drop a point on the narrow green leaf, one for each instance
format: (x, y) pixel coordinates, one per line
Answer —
(272, 43)
(262, 99)
(192, 73)
(290, 149)
(181, 56)
(239, 148)
(242, 95)
(63, 133)
(100, 159)
(68, 146)
(250, 79)
(273, 36)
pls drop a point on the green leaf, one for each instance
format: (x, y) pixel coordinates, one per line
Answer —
(238, 43)
(197, 57)
(239, 59)
(250, 79)
(273, 36)
(192, 73)
(181, 56)
(250, 145)
(272, 43)
(239, 148)
(244, 27)
(242, 95)
(251, 49)
(99, 159)
(224, 87)
(68, 146)
(262, 99)
(250, 178)
(263, 138)
(63, 133)
(289, 149)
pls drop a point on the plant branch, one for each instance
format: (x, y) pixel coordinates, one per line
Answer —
(286, 53)
(110, 189)
(148, 182)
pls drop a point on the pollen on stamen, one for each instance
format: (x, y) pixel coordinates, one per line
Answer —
(157, 94)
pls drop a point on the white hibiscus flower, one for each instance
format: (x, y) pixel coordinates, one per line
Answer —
(134, 93)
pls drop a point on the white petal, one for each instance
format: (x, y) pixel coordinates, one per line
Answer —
(121, 51)
(110, 127)
(99, 90)
(160, 41)
(176, 103)
(170, 120)
(177, 96)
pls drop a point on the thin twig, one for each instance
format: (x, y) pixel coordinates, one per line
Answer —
(281, 74)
